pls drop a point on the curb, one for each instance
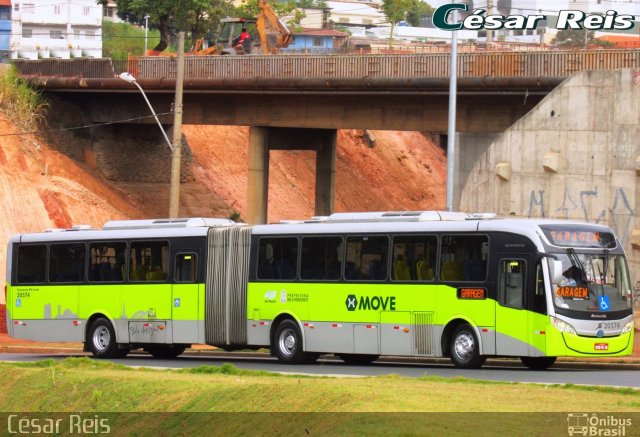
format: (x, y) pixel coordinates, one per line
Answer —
(562, 363)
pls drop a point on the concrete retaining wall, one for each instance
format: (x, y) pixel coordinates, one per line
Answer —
(576, 155)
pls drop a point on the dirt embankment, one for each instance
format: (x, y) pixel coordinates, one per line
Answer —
(42, 188)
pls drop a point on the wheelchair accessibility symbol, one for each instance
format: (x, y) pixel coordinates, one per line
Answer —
(603, 303)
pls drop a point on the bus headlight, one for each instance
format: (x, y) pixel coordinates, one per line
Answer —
(627, 327)
(562, 326)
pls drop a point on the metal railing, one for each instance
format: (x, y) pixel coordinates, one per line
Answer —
(506, 64)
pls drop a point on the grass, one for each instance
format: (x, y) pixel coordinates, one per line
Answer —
(119, 40)
(245, 401)
(21, 103)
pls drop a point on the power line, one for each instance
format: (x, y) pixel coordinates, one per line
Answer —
(84, 126)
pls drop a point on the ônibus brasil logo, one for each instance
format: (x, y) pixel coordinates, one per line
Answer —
(566, 19)
(354, 302)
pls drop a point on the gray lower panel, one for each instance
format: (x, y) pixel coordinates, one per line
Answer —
(510, 346)
(49, 330)
(188, 331)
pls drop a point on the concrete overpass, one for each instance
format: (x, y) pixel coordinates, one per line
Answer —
(298, 102)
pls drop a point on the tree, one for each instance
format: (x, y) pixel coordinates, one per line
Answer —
(195, 16)
(282, 9)
(574, 38)
(401, 10)
(418, 9)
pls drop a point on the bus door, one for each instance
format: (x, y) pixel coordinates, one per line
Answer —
(512, 321)
(186, 298)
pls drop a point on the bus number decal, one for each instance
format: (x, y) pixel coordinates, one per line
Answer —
(472, 293)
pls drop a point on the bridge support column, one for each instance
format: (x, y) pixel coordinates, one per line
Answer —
(258, 177)
(326, 173)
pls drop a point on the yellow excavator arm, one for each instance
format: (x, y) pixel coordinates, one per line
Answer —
(274, 34)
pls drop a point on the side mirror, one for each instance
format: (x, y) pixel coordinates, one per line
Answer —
(555, 270)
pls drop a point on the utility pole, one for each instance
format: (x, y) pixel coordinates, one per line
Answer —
(451, 130)
(174, 189)
(489, 37)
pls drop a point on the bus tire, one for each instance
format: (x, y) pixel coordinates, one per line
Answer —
(166, 351)
(538, 363)
(102, 339)
(358, 359)
(287, 344)
(465, 348)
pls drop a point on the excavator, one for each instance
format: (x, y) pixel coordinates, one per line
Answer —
(268, 35)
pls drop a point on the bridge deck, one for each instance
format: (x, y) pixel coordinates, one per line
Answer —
(525, 64)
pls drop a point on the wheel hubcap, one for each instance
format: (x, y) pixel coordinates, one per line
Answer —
(464, 345)
(287, 342)
(101, 338)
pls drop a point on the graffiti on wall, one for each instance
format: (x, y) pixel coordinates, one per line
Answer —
(577, 204)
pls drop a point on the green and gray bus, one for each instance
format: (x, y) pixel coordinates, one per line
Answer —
(357, 285)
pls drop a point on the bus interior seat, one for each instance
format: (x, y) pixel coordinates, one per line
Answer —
(451, 271)
(425, 273)
(350, 271)
(401, 271)
(377, 270)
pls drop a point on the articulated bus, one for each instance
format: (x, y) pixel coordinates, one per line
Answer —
(357, 285)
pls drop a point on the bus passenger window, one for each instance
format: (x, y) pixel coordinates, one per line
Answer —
(366, 258)
(414, 258)
(321, 258)
(66, 262)
(149, 261)
(464, 258)
(278, 258)
(106, 262)
(186, 267)
(32, 264)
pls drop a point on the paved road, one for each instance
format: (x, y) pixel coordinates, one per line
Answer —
(561, 374)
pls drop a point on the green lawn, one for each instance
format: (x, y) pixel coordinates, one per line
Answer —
(274, 404)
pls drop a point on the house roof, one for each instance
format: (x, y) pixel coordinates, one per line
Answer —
(322, 32)
(5, 2)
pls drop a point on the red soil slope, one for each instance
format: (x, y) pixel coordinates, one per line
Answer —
(41, 188)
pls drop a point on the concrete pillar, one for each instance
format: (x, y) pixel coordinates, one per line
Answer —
(258, 178)
(326, 173)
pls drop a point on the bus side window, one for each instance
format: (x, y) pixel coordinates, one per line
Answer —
(278, 258)
(106, 262)
(186, 267)
(511, 285)
(32, 264)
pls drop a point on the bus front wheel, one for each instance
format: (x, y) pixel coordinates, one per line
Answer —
(287, 344)
(102, 339)
(465, 349)
(538, 363)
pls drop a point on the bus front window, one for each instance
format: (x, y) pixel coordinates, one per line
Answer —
(592, 283)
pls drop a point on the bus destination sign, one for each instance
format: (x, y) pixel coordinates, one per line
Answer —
(472, 293)
(578, 236)
(573, 292)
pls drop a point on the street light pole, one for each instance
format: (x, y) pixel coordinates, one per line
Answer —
(146, 32)
(176, 146)
(128, 77)
(451, 131)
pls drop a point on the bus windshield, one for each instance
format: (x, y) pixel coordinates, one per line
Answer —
(592, 282)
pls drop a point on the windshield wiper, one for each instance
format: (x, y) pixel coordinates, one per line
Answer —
(575, 261)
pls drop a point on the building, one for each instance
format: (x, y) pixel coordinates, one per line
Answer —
(348, 15)
(110, 12)
(5, 30)
(319, 41)
(60, 29)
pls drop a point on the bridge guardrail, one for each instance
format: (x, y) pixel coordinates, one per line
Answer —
(506, 64)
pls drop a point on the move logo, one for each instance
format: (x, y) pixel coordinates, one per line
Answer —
(375, 303)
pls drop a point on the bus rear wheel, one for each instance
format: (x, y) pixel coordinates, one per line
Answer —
(287, 344)
(166, 351)
(538, 363)
(102, 339)
(465, 349)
